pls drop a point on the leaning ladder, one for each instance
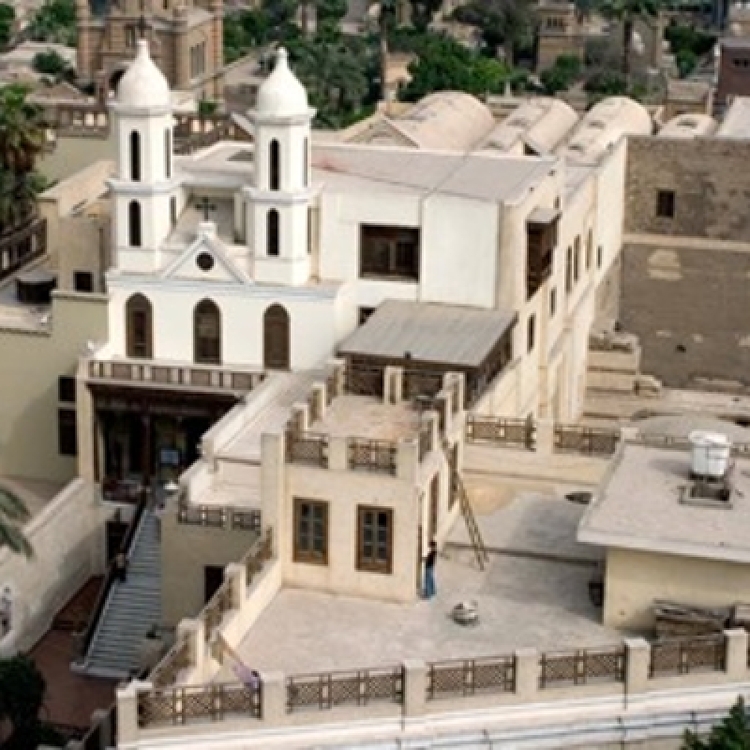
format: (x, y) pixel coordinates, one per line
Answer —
(475, 536)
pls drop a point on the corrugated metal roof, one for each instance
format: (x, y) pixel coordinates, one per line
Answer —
(430, 332)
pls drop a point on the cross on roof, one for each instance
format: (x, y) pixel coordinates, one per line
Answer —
(142, 26)
(205, 205)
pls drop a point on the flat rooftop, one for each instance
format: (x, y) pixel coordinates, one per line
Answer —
(529, 596)
(368, 417)
(639, 508)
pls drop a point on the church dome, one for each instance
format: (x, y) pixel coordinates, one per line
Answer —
(281, 94)
(143, 84)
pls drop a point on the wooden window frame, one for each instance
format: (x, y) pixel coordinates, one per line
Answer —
(395, 243)
(374, 564)
(201, 354)
(135, 347)
(306, 553)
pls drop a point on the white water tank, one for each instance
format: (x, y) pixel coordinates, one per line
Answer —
(710, 454)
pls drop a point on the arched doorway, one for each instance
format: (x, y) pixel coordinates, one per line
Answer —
(276, 355)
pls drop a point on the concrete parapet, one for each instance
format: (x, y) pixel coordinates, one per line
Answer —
(637, 665)
(338, 453)
(527, 673)
(736, 665)
(407, 460)
(415, 688)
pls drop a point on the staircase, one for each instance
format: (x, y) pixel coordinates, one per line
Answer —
(132, 608)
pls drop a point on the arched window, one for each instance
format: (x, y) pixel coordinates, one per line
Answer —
(139, 327)
(274, 165)
(168, 153)
(135, 156)
(135, 238)
(272, 232)
(207, 333)
(276, 338)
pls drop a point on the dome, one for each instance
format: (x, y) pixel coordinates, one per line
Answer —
(143, 84)
(281, 94)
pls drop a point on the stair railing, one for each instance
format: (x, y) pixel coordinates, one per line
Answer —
(88, 635)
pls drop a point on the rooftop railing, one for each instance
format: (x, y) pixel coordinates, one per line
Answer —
(462, 677)
(520, 433)
(21, 246)
(221, 517)
(372, 455)
(582, 667)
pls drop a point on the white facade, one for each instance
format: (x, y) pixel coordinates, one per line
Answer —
(283, 224)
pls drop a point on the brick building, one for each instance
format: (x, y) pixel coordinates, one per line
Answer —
(734, 69)
(185, 38)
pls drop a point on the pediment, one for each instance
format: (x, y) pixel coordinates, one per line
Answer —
(386, 133)
(206, 259)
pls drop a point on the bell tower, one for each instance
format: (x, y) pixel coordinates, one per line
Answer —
(277, 203)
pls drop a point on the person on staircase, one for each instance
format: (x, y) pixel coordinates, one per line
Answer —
(121, 567)
(429, 571)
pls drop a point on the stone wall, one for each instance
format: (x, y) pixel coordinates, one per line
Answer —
(710, 186)
(689, 305)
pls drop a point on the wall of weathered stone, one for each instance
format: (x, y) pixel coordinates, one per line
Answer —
(689, 303)
(685, 279)
(709, 177)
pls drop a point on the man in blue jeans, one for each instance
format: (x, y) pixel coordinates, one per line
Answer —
(429, 571)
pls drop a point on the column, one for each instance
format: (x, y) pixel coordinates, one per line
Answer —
(273, 699)
(415, 688)
(527, 673)
(736, 653)
(637, 665)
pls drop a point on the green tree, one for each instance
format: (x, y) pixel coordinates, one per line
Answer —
(686, 61)
(733, 733)
(22, 689)
(562, 75)
(626, 13)
(51, 63)
(444, 64)
(7, 19)
(22, 136)
(55, 22)
(503, 23)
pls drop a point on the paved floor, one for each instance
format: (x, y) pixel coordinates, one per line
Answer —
(522, 602)
(70, 698)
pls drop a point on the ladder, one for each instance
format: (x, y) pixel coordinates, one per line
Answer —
(475, 536)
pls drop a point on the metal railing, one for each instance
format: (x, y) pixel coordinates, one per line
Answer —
(686, 655)
(421, 383)
(362, 380)
(451, 679)
(215, 702)
(354, 688)
(168, 669)
(187, 376)
(109, 579)
(517, 433)
(371, 455)
(24, 244)
(221, 517)
(260, 552)
(582, 667)
(588, 440)
(218, 605)
(307, 448)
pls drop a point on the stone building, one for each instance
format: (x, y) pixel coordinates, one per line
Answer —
(185, 39)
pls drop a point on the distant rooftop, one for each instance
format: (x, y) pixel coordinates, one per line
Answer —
(639, 507)
(451, 334)
(737, 120)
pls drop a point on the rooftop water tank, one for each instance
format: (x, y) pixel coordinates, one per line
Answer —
(710, 454)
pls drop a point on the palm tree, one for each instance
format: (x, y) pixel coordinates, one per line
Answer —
(13, 513)
(626, 13)
(22, 134)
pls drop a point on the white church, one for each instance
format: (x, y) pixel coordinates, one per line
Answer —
(438, 240)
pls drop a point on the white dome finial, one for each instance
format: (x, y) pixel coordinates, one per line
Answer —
(143, 84)
(281, 94)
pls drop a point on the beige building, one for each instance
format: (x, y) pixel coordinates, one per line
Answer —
(185, 38)
(670, 534)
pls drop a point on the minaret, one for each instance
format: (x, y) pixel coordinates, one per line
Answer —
(278, 202)
(144, 191)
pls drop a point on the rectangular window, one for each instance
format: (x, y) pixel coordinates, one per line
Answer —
(599, 256)
(665, 204)
(310, 531)
(552, 303)
(66, 389)
(374, 539)
(83, 281)
(390, 252)
(541, 239)
(531, 333)
(67, 435)
(130, 36)
(569, 270)
(173, 210)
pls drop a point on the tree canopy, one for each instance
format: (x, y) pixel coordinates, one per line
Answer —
(7, 19)
(733, 733)
(51, 63)
(55, 22)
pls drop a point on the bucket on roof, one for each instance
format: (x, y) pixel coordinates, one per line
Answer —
(710, 454)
